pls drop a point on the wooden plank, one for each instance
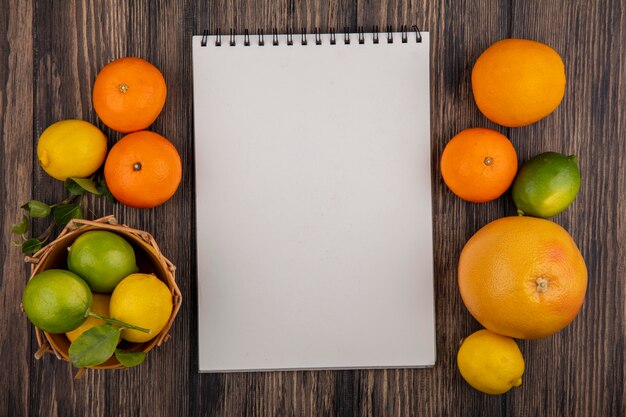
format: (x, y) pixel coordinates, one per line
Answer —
(580, 371)
(16, 155)
(72, 41)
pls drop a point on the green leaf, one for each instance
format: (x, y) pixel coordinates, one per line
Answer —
(22, 227)
(73, 187)
(129, 359)
(64, 213)
(31, 246)
(37, 209)
(104, 191)
(94, 346)
(78, 186)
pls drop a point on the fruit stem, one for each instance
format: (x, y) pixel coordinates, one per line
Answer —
(123, 88)
(137, 166)
(119, 323)
(542, 284)
(488, 160)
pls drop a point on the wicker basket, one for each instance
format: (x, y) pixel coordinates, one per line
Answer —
(149, 260)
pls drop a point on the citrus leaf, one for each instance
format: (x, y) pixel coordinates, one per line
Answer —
(64, 213)
(21, 227)
(78, 186)
(73, 187)
(129, 359)
(31, 246)
(104, 191)
(94, 346)
(37, 209)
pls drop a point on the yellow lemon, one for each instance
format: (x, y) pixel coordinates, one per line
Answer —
(71, 148)
(490, 363)
(142, 300)
(100, 306)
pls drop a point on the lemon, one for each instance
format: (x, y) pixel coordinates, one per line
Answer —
(71, 148)
(490, 363)
(102, 259)
(546, 185)
(56, 301)
(142, 300)
(100, 306)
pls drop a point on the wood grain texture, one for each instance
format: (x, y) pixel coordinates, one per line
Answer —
(16, 115)
(53, 52)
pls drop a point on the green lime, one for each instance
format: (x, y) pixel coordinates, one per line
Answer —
(102, 259)
(56, 300)
(546, 184)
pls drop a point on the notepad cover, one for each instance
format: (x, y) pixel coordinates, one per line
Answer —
(313, 205)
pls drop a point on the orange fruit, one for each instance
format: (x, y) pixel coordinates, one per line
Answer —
(128, 94)
(143, 170)
(518, 81)
(479, 164)
(522, 277)
(100, 306)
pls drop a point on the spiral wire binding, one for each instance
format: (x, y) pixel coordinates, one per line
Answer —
(261, 35)
(303, 34)
(290, 36)
(418, 34)
(232, 39)
(218, 38)
(275, 37)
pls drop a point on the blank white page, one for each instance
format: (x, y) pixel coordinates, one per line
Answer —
(313, 193)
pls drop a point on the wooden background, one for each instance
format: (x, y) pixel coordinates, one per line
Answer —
(50, 53)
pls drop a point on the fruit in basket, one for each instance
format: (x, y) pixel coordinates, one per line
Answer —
(102, 259)
(490, 363)
(71, 148)
(128, 94)
(142, 300)
(479, 164)
(56, 301)
(522, 277)
(518, 81)
(546, 185)
(100, 306)
(143, 170)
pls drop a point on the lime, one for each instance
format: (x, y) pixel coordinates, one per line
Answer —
(142, 300)
(102, 259)
(546, 184)
(71, 148)
(56, 300)
(490, 363)
(100, 306)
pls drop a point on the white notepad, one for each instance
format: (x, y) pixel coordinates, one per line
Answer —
(313, 193)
